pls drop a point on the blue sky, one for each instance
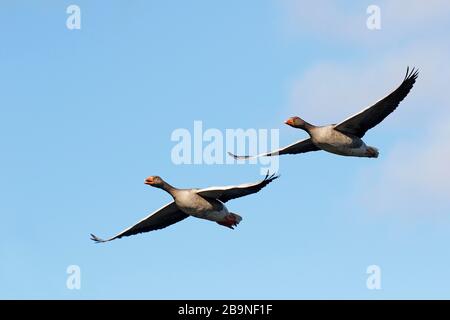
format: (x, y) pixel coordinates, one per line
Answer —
(87, 115)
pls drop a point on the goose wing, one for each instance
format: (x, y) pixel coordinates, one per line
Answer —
(368, 118)
(301, 146)
(161, 218)
(226, 193)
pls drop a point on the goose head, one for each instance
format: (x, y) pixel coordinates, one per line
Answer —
(154, 181)
(296, 122)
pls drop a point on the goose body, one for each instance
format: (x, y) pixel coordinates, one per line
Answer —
(328, 139)
(205, 204)
(345, 138)
(191, 203)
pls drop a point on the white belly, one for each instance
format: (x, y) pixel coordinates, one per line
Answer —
(345, 150)
(216, 216)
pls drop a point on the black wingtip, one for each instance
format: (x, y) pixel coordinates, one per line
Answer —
(232, 155)
(96, 239)
(238, 157)
(411, 75)
(269, 178)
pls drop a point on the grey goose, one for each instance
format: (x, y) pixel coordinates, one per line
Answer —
(205, 203)
(345, 138)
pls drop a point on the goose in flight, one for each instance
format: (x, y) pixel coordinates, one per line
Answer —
(345, 138)
(205, 203)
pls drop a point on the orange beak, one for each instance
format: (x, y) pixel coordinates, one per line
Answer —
(149, 181)
(288, 121)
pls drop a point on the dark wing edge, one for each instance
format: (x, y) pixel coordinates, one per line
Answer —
(244, 191)
(368, 118)
(161, 218)
(301, 146)
(227, 193)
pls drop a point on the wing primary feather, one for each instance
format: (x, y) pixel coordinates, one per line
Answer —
(227, 193)
(239, 157)
(301, 146)
(97, 239)
(161, 218)
(368, 118)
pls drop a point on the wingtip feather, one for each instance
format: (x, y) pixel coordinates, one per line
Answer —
(411, 74)
(272, 177)
(237, 157)
(97, 239)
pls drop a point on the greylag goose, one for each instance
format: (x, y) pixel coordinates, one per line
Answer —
(205, 203)
(345, 138)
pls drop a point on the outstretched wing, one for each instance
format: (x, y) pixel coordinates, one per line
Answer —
(161, 218)
(231, 192)
(301, 146)
(368, 118)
